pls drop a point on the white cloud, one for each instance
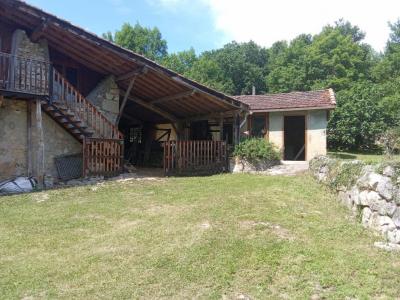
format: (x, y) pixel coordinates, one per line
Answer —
(121, 6)
(267, 21)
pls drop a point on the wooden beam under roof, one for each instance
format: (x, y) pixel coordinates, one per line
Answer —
(154, 108)
(38, 32)
(134, 73)
(174, 97)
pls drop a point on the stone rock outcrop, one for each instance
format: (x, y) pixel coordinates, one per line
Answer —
(372, 191)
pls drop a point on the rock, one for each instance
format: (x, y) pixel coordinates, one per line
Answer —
(354, 194)
(48, 181)
(396, 217)
(388, 171)
(394, 236)
(373, 221)
(385, 188)
(362, 198)
(365, 216)
(387, 208)
(362, 182)
(323, 174)
(396, 195)
(386, 224)
(387, 246)
(373, 196)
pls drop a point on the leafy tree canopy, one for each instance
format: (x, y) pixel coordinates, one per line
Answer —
(142, 40)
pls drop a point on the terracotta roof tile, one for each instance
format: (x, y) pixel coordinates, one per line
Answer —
(289, 101)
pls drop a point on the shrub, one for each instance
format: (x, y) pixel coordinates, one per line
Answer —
(390, 140)
(257, 148)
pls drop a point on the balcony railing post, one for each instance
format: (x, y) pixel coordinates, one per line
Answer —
(51, 83)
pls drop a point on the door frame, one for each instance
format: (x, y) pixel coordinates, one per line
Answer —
(296, 114)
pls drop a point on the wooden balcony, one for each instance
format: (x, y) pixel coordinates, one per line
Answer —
(24, 77)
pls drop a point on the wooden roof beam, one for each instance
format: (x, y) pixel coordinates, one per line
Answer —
(155, 109)
(134, 73)
(38, 32)
(174, 97)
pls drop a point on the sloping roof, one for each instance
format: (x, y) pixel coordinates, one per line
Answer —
(321, 99)
(106, 58)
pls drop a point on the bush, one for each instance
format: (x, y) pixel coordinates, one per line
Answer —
(257, 148)
(390, 140)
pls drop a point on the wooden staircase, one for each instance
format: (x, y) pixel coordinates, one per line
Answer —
(77, 114)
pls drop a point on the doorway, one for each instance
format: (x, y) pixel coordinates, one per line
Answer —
(294, 138)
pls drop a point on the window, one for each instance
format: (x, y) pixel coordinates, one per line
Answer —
(135, 135)
(258, 125)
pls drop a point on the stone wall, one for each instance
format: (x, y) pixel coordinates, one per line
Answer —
(105, 96)
(14, 145)
(22, 46)
(372, 192)
(13, 141)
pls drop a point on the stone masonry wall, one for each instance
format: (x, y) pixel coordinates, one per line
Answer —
(22, 46)
(105, 96)
(371, 191)
(14, 137)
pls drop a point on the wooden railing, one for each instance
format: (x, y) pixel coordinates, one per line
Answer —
(195, 157)
(102, 157)
(25, 75)
(63, 93)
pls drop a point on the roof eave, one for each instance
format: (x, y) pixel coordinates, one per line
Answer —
(331, 107)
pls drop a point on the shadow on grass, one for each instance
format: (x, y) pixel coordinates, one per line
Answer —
(343, 155)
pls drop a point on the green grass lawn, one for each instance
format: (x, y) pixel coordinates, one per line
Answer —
(366, 157)
(209, 237)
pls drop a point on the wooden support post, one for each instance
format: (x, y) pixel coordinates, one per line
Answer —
(221, 128)
(1, 100)
(39, 163)
(127, 93)
(29, 137)
(179, 129)
(235, 127)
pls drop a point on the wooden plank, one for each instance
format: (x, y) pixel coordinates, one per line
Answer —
(125, 99)
(134, 73)
(40, 145)
(173, 97)
(155, 109)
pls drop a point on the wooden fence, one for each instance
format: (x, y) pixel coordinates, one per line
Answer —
(195, 157)
(25, 75)
(102, 157)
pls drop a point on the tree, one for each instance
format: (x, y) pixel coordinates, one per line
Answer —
(358, 120)
(337, 59)
(180, 62)
(142, 40)
(288, 66)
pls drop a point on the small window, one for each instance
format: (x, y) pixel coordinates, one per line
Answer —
(135, 135)
(258, 128)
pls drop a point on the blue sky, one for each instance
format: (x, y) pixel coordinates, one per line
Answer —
(189, 25)
(209, 24)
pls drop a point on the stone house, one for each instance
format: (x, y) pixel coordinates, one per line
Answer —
(296, 122)
(73, 104)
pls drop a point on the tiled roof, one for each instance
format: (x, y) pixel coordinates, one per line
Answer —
(290, 101)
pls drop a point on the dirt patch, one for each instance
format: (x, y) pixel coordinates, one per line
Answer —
(276, 229)
(40, 197)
